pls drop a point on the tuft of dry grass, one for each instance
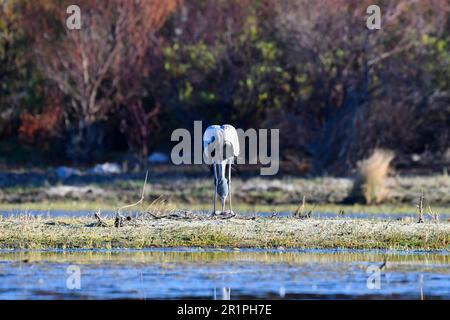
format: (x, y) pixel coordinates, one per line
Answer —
(159, 208)
(433, 214)
(301, 211)
(372, 174)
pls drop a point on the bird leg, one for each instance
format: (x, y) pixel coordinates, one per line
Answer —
(223, 204)
(215, 196)
(229, 186)
(215, 190)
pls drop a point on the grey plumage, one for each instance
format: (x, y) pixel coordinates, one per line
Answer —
(222, 188)
(221, 147)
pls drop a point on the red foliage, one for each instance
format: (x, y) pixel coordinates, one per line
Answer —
(39, 128)
(103, 66)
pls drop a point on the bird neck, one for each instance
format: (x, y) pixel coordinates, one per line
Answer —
(222, 166)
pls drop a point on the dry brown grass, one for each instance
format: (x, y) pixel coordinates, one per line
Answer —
(372, 174)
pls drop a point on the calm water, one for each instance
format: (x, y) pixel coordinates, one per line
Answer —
(213, 274)
(357, 215)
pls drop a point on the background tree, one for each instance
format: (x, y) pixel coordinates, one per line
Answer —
(364, 88)
(223, 64)
(102, 66)
(13, 73)
(139, 69)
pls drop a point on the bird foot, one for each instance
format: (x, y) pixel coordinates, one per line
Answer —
(223, 213)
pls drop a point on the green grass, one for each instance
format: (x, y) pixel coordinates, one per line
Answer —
(43, 233)
(69, 205)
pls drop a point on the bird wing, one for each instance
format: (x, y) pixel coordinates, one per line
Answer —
(231, 137)
(213, 134)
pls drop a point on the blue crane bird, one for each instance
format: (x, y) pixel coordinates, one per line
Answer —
(221, 146)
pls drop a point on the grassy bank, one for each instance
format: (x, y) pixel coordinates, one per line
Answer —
(44, 233)
(288, 191)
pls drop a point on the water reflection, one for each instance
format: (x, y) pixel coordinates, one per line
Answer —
(223, 274)
(225, 294)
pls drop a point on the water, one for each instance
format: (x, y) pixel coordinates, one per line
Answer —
(326, 215)
(223, 274)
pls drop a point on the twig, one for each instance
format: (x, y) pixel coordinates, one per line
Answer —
(119, 219)
(139, 201)
(420, 207)
(101, 222)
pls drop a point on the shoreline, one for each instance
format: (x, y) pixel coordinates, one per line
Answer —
(91, 207)
(115, 189)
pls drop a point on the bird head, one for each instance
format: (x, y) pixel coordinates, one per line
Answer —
(222, 188)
